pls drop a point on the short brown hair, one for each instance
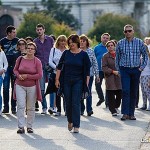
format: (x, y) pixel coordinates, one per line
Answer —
(75, 39)
(23, 40)
(111, 41)
(40, 25)
(84, 37)
(105, 34)
(32, 43)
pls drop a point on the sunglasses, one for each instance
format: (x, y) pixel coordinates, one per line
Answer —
(127, 31)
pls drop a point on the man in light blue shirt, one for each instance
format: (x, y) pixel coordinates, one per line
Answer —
(100, 50)
(131, 59)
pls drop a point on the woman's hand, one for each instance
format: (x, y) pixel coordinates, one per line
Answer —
(22, 77)
(57, 83)
(116, 73)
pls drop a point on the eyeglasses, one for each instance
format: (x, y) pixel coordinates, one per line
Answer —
(127, 31)
(21, 44)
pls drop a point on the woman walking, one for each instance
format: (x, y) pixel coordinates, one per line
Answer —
(76, 72)
(28, 70)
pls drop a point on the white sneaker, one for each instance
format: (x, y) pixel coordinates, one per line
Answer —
(44, 111)
(50, 110)
(57, 114)
(114, 114)
(54, 109)
(148, 109)
(118, 111)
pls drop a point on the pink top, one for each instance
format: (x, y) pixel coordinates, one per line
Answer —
(33, 69)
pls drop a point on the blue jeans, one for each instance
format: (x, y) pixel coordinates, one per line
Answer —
(130, 84)
(89, 99)
(6, 85)
(99, 88)
(42, 85)
(72, 95)
(1, 81)
(52, 98)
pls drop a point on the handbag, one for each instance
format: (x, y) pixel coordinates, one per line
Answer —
(51, 87)
(47, 67)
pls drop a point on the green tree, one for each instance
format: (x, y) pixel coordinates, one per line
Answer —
(61, 13)
(113, 24)
(27, 27)
(0, 2)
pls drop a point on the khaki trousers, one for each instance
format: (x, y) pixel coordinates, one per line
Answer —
(26, 98)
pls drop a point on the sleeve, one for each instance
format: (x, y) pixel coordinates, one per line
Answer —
(5, 62)
(61, 61)
(88, 64)
(39, 72)
(51, 63)
(144, 56)
(95, 64)
(105, 67)
(117, 57)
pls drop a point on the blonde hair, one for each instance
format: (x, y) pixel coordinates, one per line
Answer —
(60, 38)
(0, 48)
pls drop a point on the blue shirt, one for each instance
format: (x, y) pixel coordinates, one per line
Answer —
(99, 51)
(131, 53)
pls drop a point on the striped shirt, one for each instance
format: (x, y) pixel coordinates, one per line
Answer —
(94, 65)
(131, 53)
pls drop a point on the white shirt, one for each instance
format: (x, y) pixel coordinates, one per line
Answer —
(3, 62)
(54, 60)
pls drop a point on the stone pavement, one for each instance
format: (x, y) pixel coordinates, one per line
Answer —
(98, 132)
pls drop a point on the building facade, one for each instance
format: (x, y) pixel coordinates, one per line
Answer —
(85, 11)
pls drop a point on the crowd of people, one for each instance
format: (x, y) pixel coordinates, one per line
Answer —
(23, 63)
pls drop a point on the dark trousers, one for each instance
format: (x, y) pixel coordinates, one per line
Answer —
(99, 90)
(72, 95)
(130, 84)
(9, 76)
(89, 99)
(114, 99)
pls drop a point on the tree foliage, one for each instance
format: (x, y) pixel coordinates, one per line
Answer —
(61, 13)
(113, 24)
(28, 26)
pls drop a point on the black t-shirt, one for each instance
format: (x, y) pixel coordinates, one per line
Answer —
(9, 48)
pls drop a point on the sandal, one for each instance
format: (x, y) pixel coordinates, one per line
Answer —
(29, 130)
(20, 131)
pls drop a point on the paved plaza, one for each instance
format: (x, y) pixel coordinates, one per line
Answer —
(98, 132)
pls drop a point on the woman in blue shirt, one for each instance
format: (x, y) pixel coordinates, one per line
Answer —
(76, 72)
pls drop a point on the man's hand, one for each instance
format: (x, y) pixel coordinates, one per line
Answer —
(97, 79)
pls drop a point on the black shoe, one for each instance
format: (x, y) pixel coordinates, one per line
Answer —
(136, 106)
(99, 103)
(36, 109)
(29, 130)
(144, 107)
(81, 113)
(13, 112)
(5, 111)
(90, 113)
(132, 118)
(124, 117)
(20, 131)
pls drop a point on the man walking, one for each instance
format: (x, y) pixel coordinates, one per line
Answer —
(44, 44)
(131, 58)
(100, 50)
(8, 45)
